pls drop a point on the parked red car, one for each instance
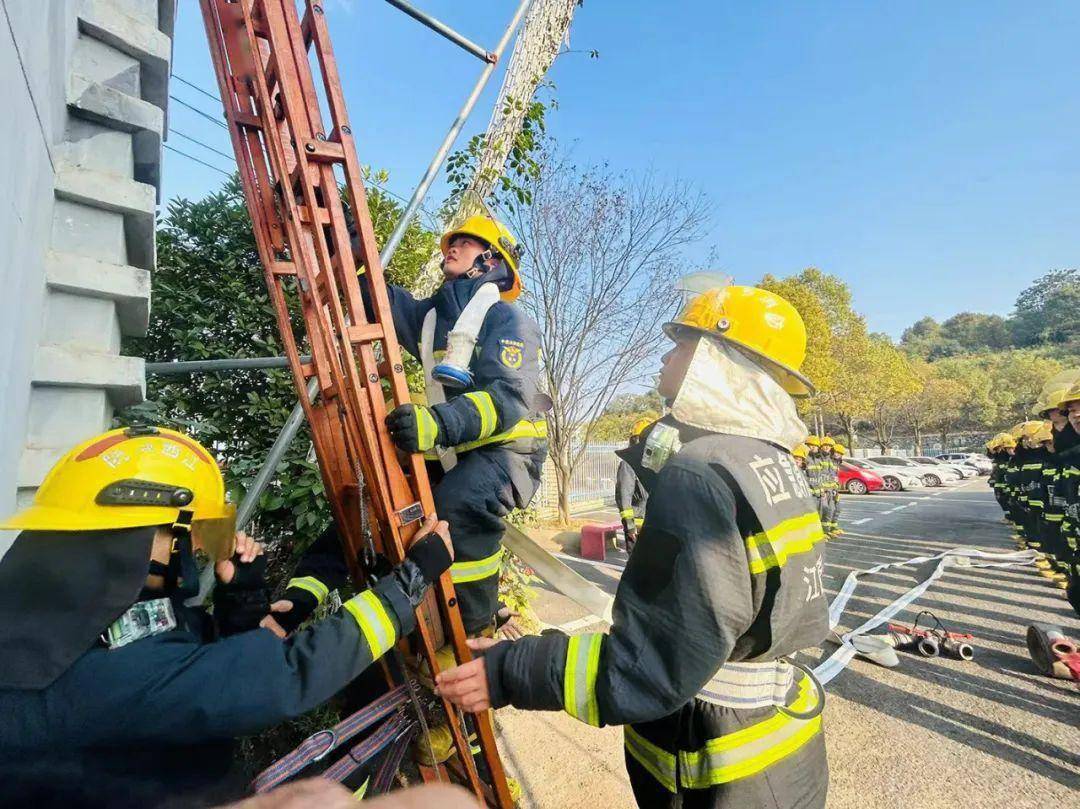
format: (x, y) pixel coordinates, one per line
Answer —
(859, 481)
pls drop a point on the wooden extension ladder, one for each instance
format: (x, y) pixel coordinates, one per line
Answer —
(291, 165)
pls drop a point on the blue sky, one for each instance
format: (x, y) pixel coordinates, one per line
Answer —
(923, 151)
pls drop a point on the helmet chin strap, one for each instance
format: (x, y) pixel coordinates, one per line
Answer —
(479, 266)
(181, 574)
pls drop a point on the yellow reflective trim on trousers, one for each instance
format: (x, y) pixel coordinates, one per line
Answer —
(771, 548)
(750, 750)
(311, 585)
(463, 572)
(579, 677)
(486, 408)
(375, 625)
(659, 763)
(626, 514)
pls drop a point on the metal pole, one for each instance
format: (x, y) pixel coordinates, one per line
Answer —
(451, 136)
(479, 52)
(296, 417)
(288, 432)
(212, 366)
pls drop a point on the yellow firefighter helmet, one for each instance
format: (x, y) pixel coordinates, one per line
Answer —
(128, 478)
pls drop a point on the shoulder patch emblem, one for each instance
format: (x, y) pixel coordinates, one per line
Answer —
(510, 353)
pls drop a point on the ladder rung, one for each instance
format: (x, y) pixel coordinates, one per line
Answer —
(366, 333)
(324, 151)
(322, 215)
(283, 268)
(308, 369)
(247, 119)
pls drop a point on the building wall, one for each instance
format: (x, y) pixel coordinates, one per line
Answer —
(80, 160)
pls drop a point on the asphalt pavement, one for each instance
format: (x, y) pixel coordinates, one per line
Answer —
(929, 733)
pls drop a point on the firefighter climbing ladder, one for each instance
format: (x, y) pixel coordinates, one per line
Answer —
(289, 162)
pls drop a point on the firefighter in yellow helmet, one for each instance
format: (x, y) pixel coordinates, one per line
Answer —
(1000, 449)
(815, 469)
(1056, 467)
(114, 690)
(723, 586)
(480, 423)
(1068, 490)
(829, 486)
(838, 453)
(630, 496)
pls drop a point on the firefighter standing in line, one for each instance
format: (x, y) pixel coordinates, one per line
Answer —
(113, 691)
(1062, 438)
(800, 454)
(838, 452)
(814, 468)
(630, 495)
(486, 444)
(1000, 448)
(1013, 490)
(1068, 488)
(829, 485)
(1036, 437)
(724, 584)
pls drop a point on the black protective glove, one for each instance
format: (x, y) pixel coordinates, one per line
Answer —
(414, 428)
(629, 528)
(303, 605)
(240, 604)
(427, 559)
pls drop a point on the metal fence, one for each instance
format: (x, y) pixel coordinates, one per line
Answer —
(592, 483)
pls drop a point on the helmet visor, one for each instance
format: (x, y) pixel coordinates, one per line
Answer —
(216, 536)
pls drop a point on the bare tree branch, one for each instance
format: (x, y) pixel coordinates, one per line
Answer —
(603, 256)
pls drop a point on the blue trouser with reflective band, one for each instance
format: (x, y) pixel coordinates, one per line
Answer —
(473, 497)
(727, 758)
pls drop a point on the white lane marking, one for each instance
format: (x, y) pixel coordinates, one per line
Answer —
(860, 522)
(580, 623)
(891, 510)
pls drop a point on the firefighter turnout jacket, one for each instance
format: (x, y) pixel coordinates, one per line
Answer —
(724, 584)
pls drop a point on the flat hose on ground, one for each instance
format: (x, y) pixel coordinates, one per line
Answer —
(557, 574)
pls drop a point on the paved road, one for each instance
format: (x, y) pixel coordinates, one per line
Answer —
(929, 733)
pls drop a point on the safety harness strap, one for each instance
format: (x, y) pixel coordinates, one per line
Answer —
(320, 744)
(750, 685)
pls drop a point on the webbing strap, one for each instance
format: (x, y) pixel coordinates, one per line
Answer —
(957, 557)
(360, 754)
(319, 745)
(749, 685)
(391, 763)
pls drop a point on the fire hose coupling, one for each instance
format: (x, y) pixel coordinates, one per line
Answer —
(933, 641)
(453, 371)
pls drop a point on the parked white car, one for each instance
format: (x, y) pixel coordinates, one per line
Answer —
(980, 462)
(896, 479)
(964, 470)
(931, 474)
